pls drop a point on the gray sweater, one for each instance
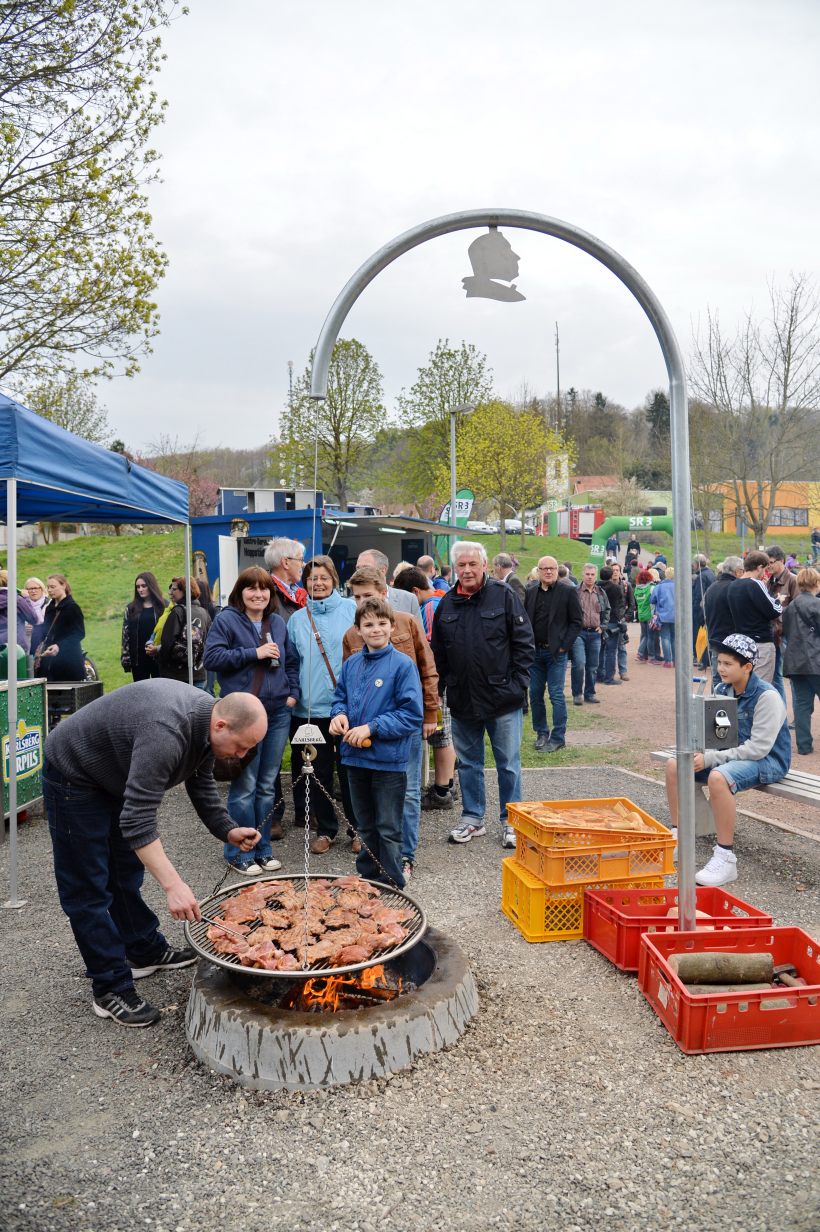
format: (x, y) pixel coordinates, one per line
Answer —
(137, 742)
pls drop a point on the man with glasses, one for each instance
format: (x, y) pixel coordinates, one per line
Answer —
(556, 619)
(285, 560)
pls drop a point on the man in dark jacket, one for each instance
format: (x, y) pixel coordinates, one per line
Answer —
(504, 571)
(754, 612)
(617, 612)
(483, 646)
(555, 616)
(716, 613)
(702, 578)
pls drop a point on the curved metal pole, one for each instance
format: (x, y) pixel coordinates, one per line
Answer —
(632, 280)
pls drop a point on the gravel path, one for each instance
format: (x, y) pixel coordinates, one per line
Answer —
(565, 1105)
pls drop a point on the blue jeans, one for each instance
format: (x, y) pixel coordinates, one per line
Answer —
(548, 672)
(806, 688)
(99, 879)
(505, 738)
(252, 796)
(623, 662)
(586, 650)
(411, 816)
(777, 678)
(668, 640)
(377, 799)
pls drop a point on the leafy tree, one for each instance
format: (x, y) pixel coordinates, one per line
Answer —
(70, 402)
(501, 453)
(764, 384)
(452, 378)
(78, 262)
(345, 423)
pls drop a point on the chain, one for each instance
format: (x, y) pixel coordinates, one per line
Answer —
(307, 771)
(351, 829)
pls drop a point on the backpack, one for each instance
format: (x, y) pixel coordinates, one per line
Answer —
(179, 649)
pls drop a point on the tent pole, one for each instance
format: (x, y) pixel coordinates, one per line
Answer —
(188, 637)
(11, 655)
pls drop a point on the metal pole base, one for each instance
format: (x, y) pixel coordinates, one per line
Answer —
(13, 904)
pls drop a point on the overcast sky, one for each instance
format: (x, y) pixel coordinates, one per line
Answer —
(302, 136)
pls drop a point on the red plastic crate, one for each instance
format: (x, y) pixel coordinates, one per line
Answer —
(734, 1021)
(614, 919)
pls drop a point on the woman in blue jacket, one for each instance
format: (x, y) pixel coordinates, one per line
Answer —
(316, 631)
(249, 649)
(662, 600)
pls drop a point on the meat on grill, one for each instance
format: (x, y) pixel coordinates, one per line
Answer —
(346, 924)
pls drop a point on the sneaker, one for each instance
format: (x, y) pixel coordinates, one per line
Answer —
(577, 699)
(508, 837)
(465, 830)
(643, 658)
(248, 868)
(126, 1008)
(721, 869)
(268, 864)
(673, 831)
(624, 676)
(170, 960)
(670, 665)
(592, 701)
(432, 799)
(407, 867)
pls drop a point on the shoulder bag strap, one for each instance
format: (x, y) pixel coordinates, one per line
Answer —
(259, 668)
(320, 644)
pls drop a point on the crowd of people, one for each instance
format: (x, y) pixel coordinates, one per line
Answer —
(378, 676)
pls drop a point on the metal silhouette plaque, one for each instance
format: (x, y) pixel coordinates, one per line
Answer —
(495, 265)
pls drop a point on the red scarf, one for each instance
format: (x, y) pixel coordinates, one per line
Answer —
(299, 596)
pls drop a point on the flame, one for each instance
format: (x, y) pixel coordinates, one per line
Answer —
(329, 994)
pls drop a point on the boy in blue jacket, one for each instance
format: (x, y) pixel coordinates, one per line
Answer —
(377, 708)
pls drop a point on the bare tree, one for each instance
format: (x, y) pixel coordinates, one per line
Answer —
(764, 383)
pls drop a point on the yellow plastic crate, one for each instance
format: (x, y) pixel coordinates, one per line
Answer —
(551, 913)
(597, 862)
(519, 817)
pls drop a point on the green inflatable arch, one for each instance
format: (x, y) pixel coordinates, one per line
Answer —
(597, 549)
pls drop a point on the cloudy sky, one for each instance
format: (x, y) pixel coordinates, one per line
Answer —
(303, 135)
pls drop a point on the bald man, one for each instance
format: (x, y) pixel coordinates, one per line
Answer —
(106, 770)
(556, 618)
(399, 600)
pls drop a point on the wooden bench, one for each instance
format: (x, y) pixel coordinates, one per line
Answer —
(796, 785)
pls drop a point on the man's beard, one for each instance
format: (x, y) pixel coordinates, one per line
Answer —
(226, 769)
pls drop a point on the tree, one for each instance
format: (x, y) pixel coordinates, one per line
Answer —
(501, 453)
(70, 402)
(764, 382)
(186, 464)
(345, 423)
(452, 379)
(78, 262)
(656, 412)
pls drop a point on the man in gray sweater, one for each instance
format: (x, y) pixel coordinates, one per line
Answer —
(105, 772)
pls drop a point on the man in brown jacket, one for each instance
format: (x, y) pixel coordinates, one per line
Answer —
(408, 637)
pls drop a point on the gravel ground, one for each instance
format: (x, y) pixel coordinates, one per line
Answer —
(565, 1105)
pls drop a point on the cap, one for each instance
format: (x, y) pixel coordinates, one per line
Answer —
(740, 644)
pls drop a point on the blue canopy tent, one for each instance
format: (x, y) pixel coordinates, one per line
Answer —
(50, 475)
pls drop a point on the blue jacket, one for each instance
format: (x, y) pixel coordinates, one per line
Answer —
(230, 651)
(380, 688)
(333, 617)
(663, 601)
(777, 761)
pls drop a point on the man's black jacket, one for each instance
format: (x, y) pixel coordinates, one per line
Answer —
(753, 609)
(484, 648)
(566, 617)
(717, 614)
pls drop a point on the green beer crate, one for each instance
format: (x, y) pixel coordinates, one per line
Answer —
(31, 737)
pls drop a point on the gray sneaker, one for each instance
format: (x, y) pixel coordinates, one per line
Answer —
(433, 800)
(466, 830)
(508, 837)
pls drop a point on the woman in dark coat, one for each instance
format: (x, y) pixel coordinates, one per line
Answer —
(59, 653)
(801, 657)
(138, 623)
(172, 663)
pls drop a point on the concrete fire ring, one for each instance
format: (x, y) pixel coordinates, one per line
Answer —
(270, 1049)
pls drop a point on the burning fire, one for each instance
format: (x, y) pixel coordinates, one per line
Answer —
(329, 994)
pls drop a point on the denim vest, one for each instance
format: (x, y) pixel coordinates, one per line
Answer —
(778, 760)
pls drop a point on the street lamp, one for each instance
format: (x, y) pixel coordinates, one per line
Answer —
(463, 409)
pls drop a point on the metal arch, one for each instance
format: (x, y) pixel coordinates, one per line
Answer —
(679, 431)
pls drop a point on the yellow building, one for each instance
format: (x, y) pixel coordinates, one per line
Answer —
(796, 510)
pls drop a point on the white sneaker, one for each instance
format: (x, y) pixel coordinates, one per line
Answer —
(466, 830)
(673, 831)
(508, 838)
(269, 864)
(721, 869)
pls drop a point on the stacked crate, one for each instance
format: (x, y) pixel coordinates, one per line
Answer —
(543, 884)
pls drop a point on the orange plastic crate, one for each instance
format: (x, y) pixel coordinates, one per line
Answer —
(604, 861)
(734, 1021)
(615, 919)
(548, 913)
(518, 816)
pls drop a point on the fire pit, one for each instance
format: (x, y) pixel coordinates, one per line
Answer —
(297, 1034)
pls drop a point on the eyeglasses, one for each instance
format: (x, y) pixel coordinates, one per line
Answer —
(547, 568)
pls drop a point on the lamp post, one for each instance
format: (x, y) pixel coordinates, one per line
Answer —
(463, 408)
